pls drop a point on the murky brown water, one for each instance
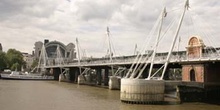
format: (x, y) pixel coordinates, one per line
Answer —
(53, 95)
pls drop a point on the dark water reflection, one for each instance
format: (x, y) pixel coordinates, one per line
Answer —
(52, 95)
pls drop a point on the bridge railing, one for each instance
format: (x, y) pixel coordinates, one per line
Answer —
(128, 60)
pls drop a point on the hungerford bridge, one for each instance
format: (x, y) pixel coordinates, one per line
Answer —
(190, 75)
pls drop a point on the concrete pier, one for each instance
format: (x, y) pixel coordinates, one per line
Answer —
(114, 83)
(76, 71)
(56, 73)
(81, 79)
(99, 76)
(142, 91)
(106, 77)
(64, 78)
(72, 74)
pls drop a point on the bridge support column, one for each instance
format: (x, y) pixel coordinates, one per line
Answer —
(142, 91)
(81, 79)
(72, 74)
(56, 73)
(64, 76)
(99, 76)
(114, 83)
(76, 71)
(106, 75)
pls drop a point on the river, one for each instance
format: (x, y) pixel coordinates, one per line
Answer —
(54, 95)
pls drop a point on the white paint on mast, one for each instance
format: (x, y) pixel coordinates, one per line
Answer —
(78, 53)
(43, 56)
(110, 49)
(186, 6)
(60, 60)
(163, 15)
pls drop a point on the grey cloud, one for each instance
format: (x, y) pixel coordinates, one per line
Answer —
(129, 21)
(36, 8)
(90, 10)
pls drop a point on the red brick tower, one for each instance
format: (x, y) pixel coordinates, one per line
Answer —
(194, 71)
(199, 71)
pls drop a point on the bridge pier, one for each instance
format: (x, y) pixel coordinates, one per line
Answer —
(72, 74)
(114, 83)
(56, 73)
(64, 76)
(77, 73)
(142, 91)
(106, 77)
(99, 76)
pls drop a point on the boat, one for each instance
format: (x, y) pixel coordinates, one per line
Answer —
(15, 75)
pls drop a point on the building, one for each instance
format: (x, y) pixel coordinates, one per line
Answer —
(199, 71)
(37, 49)
(67, 51)
(28, 58)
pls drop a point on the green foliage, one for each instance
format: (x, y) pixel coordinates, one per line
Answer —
(3, 61)
(15, 66)
(15, 59)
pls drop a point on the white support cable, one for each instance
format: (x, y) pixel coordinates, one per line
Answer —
(110, 50)
(43, 56)
(133, 64)
(86, 70)
(168, 27)
(156, 72)
(175, 37)
(113, 47)
(138, 66)
(119, 70)
(142, 70)
(59, 58)
(163, 14)
(139, 56)
(141, 67)
(207, 36)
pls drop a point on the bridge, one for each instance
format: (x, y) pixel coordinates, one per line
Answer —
(198, 63)
(128, 60)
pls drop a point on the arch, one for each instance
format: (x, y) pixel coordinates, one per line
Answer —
(192, 75)
(55, 43)
(195, 41)
(51, 48)
(195, 47)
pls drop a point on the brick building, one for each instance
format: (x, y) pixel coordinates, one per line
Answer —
(199, 71)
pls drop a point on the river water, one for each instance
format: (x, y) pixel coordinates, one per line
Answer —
(54, 95)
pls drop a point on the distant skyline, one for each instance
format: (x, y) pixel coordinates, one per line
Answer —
(24, 22)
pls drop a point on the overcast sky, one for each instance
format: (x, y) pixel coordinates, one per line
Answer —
(23, 22)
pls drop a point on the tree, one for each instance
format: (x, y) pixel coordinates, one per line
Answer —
(3, 61)
(15, 59)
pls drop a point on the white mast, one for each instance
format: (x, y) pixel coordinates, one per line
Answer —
(110, 49)
(60, 59)
(164, 13)
(186, 6)
(43, 56)
(135, 50)
(109, 44)
(78, 53)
